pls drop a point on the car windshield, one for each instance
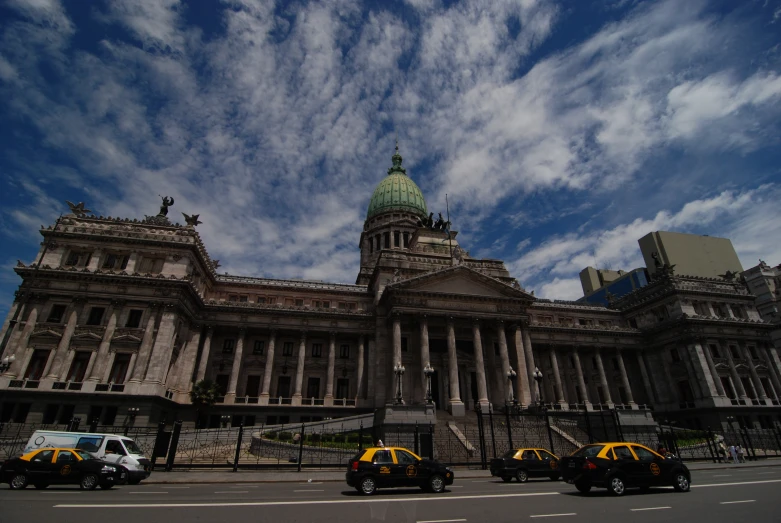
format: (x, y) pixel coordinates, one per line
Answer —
(131, 446)
(589, 451)
(90, 443)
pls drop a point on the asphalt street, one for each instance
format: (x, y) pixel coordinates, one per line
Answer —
(717, 495)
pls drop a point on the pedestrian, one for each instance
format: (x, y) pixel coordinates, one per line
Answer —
(739, 450)
(733, 453)
(723, 450)
(380, 443)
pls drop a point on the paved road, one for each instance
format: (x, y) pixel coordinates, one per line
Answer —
(750, 495)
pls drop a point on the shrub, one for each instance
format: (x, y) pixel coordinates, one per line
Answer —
(285, 436)
(271, 435)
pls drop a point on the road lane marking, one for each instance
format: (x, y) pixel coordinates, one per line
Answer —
(554, 515)
(738, 483)
(722, 475)
(772, 472)
(647, 508)
(311, 483)
(232, 492)
(440, 520)
(733, 502)
(456, 486)
(67, 492)
(141, 492)
(482, 481)
(308, 502)
(176, 487)
(309, 490)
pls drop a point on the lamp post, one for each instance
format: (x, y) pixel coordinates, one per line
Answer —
(511, 377)
(538, 379)
(225, 419)
(428, 370)
(399, 369)
(7, 361)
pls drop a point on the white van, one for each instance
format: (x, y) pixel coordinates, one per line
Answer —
(108, 447)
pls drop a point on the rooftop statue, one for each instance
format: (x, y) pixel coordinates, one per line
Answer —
(167, 202)
(78, 209)
(192, 220)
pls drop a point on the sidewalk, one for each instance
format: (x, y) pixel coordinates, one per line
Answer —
(319, 475)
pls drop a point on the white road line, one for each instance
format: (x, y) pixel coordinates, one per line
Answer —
(456, 486)
(176, 487)
(648, 508)
(148, 492)
(309, 502)
(553, 515)
(309, 490)
(758, 473)
(733, 502)
(481, 481)
(439, 520)
(231, 491)
(738, 483)
(68, 492)
(311, 483)
(722, 475)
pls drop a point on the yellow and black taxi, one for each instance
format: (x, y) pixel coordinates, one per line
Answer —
(618, 466)
(525, 463)
(382, 467)
(58, 466)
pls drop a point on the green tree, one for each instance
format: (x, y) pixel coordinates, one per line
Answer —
(203, 396)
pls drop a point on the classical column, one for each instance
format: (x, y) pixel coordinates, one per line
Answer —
(625, 378)
(504, 357)
(67, 365)
(713, 371)
(184, 381)
(396, 340)
(482, 390)
(62, 348)
(649, 390)
(456, 405)
(300, 369)
(329, 384)
(371, 382)
(581, 380)
(18, 366)
(132, 365)
(775, 379)
(753, 372)
(203, 364)
(425, 357)
(602, 376)
(738, 385)
(359, 389)
(527, 348)
(146, 347)
(162, 348)
(101, 360)
(230, 396)
(554, 360)
(523, 394)
(264, 395)
(7, 325)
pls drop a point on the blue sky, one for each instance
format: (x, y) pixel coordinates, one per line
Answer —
(561, 131)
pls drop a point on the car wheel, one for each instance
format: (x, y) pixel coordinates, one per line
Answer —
(583, 488)
(522, 476)
(133, 481)
(18, 481)
(368, 486)
(436, 483)
(89, 482)
(41, 486)
(106, 486)
(616, 486)
(507, 479)
(681, 482)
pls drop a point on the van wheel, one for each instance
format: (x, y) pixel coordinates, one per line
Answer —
(89, 482)
(18, 481)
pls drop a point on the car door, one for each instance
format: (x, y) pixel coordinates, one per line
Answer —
(551, 462)
(651, 466)
(406, 470)
(531, 462)
(382, 463)
(628, 464)
(41, 467)
(66, 469)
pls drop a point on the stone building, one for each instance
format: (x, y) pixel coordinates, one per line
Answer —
(118, 314)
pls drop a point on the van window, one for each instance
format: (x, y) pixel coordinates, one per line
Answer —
(90, 443)
(131, 446)
(115, 447)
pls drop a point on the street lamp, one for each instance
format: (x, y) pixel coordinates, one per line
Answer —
(399, 370)
(512, 376)
(225, 419)
(132, 412)
(730, 419)
(538, 378)
(428, 370)
(6, 363)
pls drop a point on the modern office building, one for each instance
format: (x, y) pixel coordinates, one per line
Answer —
(118, 314)
(610, 288)
(691, 254)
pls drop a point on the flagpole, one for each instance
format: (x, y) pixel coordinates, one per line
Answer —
(449, 236)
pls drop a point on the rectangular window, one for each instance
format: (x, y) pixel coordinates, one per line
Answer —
(753, 352)
(257, 348)
(22, 409)
(227, 346)
(79, 366)
(378, 241)
(396, 239)
(134, 319)
(594, 362)
(287, 348)
(66, 414)
(299, 302)
(714, 351)
(243, 299)
(115, 262)
(119, 369)
(7, 412)
(326, 304)
(233, 297)
(317, 350)
(283, 387)
(271, 300)
(77, 259)
(406, 240)
(96, 315)
(253, 386)
(386, 239)
(734, 351)
(344, 351)
(56, 313)
(675, 355)
(261, 299)
(110, 415)
(342, 388)
(151, 266)
(313, 388)
(614, 361)
(36, 365)
(222, 381)
(403, 344)
(50, 414)
(371, 246)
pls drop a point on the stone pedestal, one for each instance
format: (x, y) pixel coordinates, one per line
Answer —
(405, 415)
(456, 409)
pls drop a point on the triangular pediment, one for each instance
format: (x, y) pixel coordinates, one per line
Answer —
(460, 280)
(127, 338)
(87, 336)
(46, 333)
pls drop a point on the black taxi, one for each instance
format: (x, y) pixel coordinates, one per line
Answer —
(618, 466)
(382, 467)
(58, 466)
(525, 463)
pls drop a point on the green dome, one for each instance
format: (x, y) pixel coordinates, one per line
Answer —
(397, 192)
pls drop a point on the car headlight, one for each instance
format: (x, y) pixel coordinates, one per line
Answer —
(107, 468)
